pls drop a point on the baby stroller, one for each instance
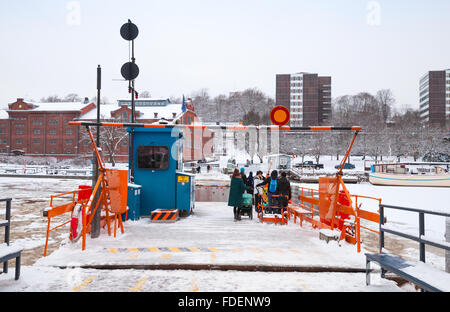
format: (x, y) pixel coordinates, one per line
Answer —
(247, 205)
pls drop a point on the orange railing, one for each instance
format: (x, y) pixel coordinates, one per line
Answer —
(310, 201)
(55, 211)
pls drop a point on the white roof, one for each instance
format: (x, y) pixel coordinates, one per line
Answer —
(146, 112)
(58, 106)
(3, 114)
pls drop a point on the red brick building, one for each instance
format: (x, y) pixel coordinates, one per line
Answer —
(41, 129)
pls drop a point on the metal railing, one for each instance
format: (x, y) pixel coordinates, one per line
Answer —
(421, 237)
(7, 225)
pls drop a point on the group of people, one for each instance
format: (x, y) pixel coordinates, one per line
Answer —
(278, 190)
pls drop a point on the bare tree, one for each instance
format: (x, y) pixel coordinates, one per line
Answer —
(110, 139)
(386, 99)
(103, 100)
(145, 95)
(72, 97)
(51, 99)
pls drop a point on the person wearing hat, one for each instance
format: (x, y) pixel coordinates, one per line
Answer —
(243, 176)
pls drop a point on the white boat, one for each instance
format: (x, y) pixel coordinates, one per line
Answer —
(411, 174)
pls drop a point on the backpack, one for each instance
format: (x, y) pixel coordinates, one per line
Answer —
(272, 185)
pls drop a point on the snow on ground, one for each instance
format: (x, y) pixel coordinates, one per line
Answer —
(218, 239)
(215, 239)
(212, 227)
(47, 279)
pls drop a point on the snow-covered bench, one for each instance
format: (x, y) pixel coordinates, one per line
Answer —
(424, 276)
(418, 273)
(299, 212)
(8, 252)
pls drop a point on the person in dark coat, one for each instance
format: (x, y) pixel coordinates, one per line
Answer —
(272, 181)
(250, 182)
(243, 176)
(237, 188)
(284, 190)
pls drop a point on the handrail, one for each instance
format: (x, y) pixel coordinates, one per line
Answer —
(437, 213)
(307, 195)
(420, 239)
(62, 209)
(7, 218)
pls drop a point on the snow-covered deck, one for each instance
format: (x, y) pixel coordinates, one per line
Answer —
(210, 236)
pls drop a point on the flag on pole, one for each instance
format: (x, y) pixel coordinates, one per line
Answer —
(183, 107)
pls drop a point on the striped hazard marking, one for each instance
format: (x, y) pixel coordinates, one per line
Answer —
(161, 215)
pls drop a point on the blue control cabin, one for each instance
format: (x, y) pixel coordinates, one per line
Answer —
(158, 169)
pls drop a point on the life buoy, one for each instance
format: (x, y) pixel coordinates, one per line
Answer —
(75, 223)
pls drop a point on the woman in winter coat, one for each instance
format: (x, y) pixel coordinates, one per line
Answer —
(237, 188)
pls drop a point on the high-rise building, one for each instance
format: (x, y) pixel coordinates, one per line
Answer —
(434, 97)
(307, 96)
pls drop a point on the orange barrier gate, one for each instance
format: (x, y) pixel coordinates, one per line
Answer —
(111, 188)
(55, 211)
(328, 208)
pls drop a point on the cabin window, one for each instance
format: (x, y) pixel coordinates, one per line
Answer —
(153, 157)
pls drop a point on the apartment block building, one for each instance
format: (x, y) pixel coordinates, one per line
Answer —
(307, 96)
(434, 97)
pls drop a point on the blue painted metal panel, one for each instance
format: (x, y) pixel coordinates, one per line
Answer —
(134, 202)
(158, 186)
(185, 193)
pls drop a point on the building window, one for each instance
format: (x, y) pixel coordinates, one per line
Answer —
(19, 141)
(86, 143)
(68, 131)
(4, 141)
(68, 142)
(52, 142)
(52, 131)
(153, 157)
(21, 125)
(52, 151)
(2, 131)
(53, 122)
(36, 141)
(19, 131)
(37, 131)
(37, 122)
(69, 151)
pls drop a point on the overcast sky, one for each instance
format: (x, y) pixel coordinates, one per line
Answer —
(53, 47)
